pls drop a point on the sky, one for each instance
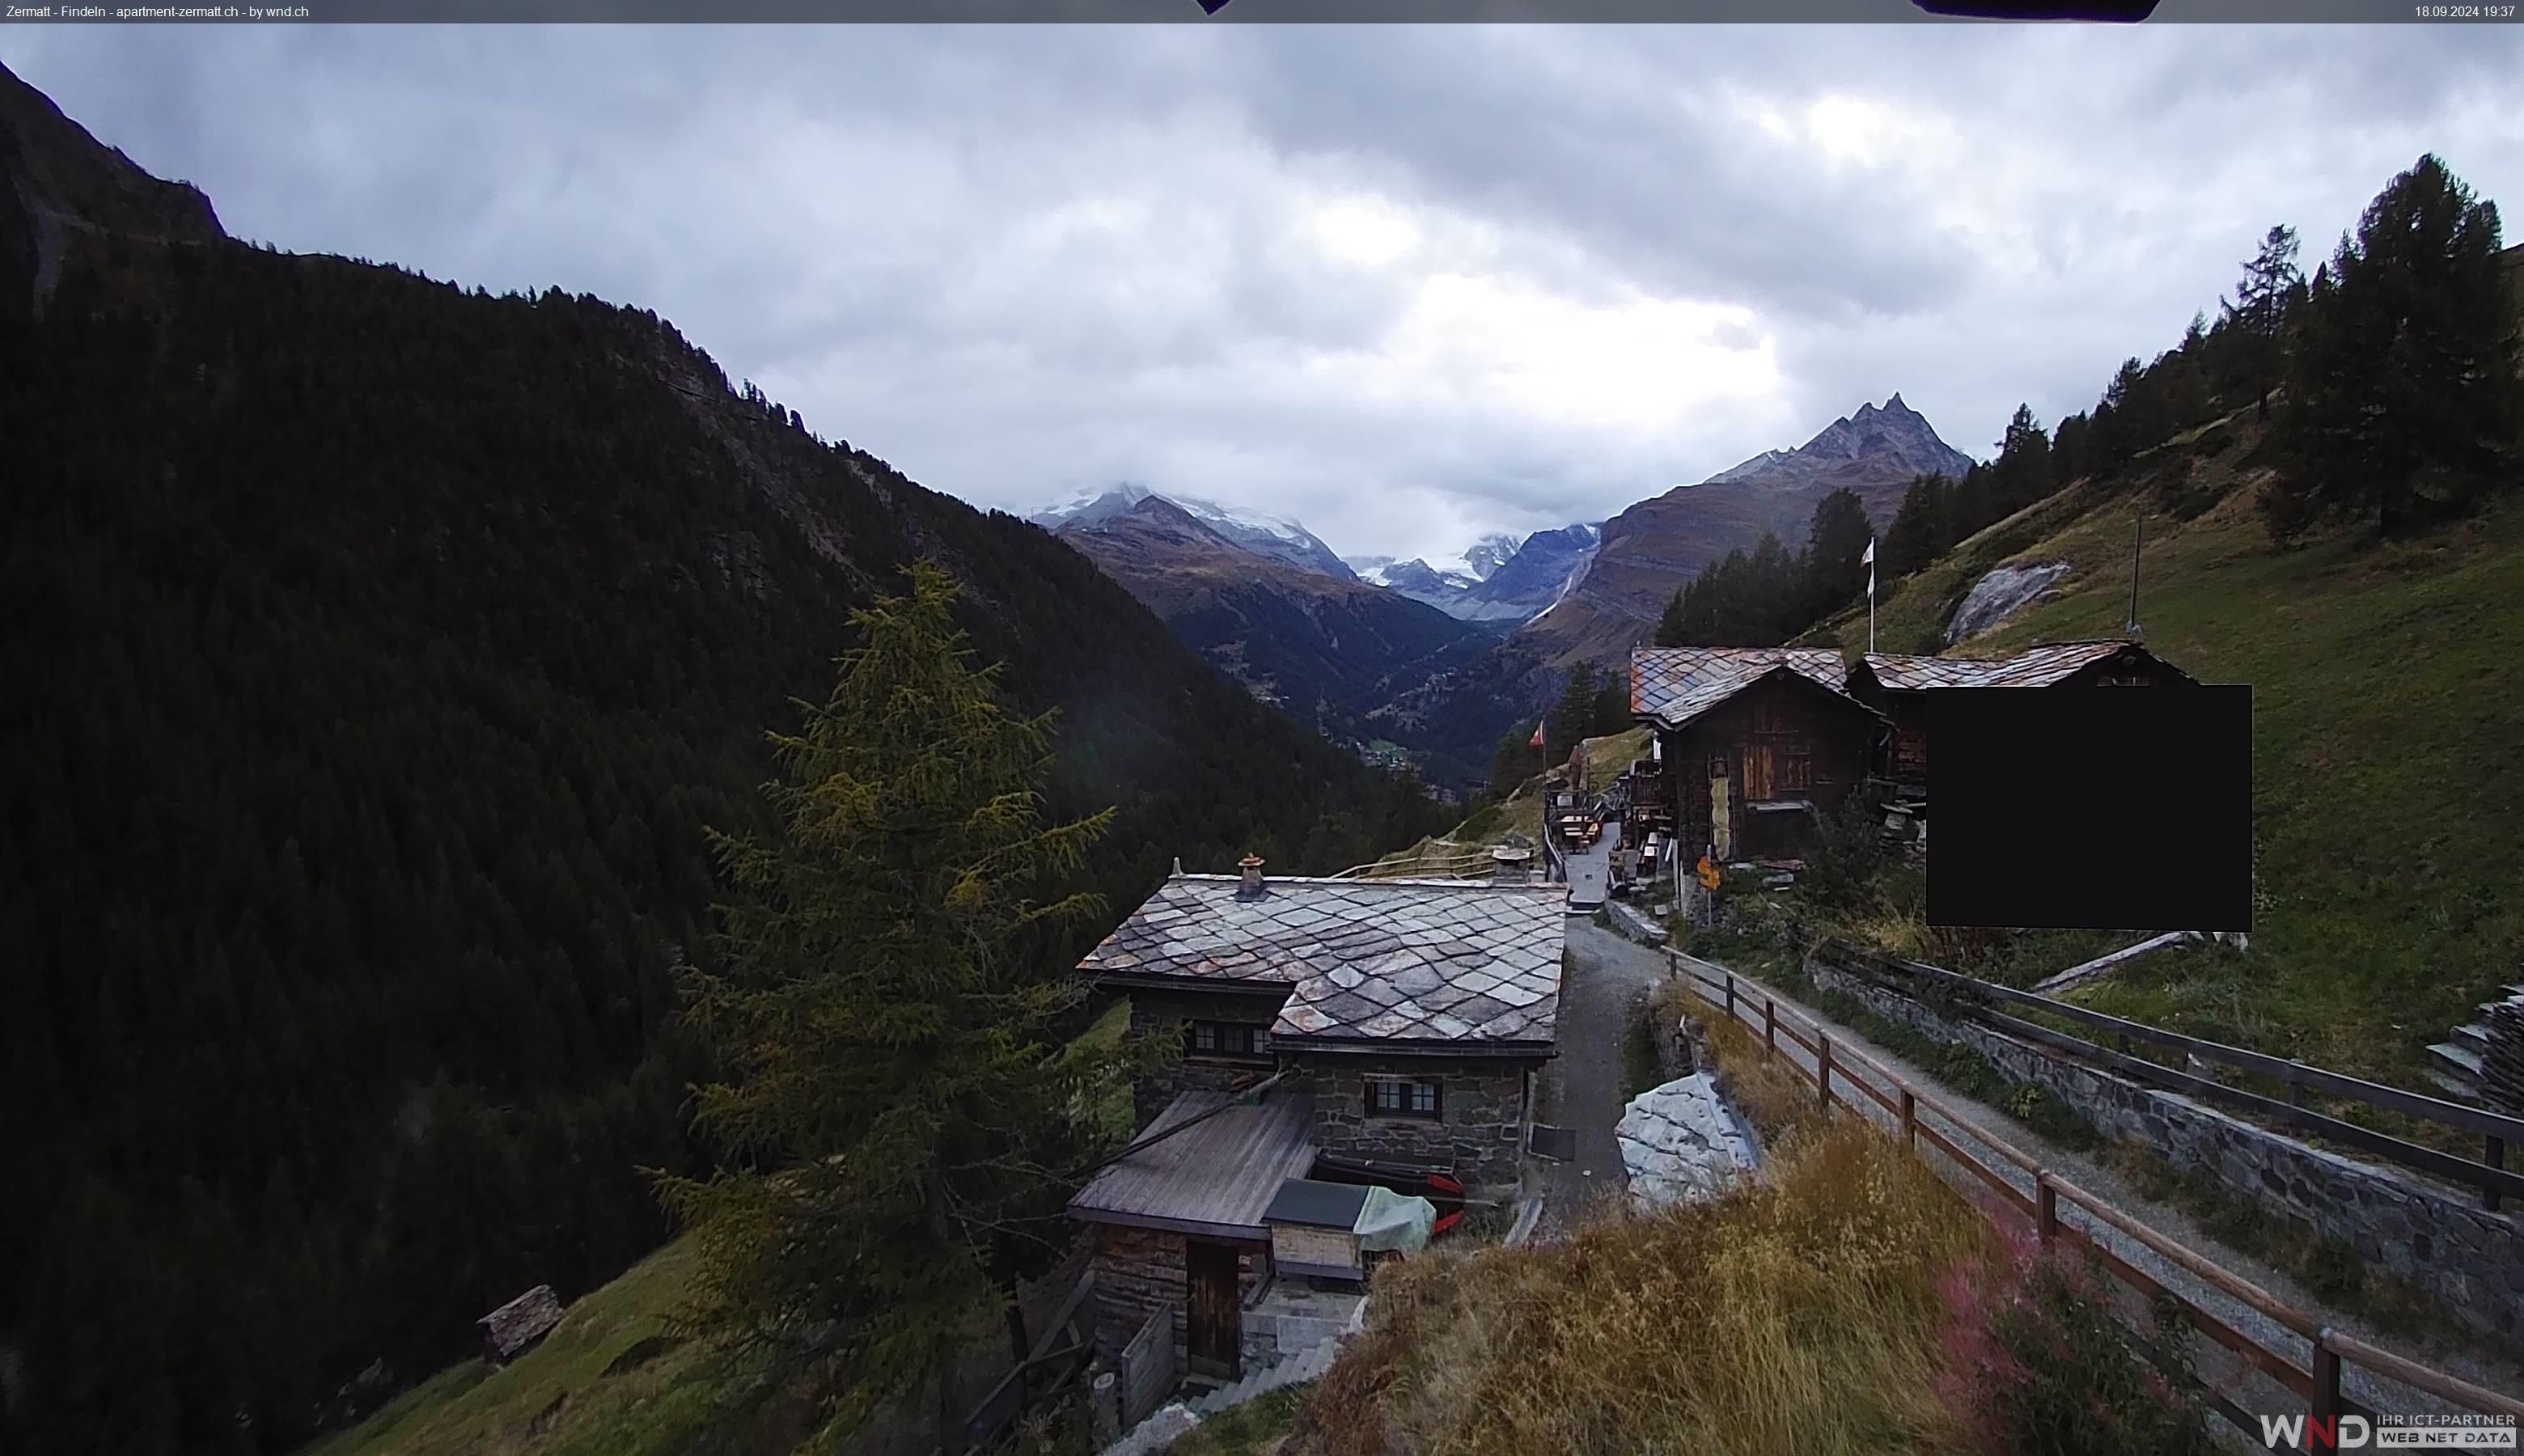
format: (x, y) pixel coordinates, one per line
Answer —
(1408, 285)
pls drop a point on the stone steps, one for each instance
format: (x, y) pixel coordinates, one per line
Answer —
(2456, 1069)
(1296, 1370)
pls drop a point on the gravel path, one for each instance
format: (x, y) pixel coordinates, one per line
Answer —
(1581, 1087)
(2249, 1388)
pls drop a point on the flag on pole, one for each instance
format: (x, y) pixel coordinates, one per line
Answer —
(1537, 733)
(1870, 558)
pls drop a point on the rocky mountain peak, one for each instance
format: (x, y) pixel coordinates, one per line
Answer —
(58, 183)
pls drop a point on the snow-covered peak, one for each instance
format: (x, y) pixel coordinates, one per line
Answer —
(1273, 536)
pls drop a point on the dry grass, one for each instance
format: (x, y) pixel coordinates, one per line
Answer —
(1774, 1097)
(1799, 1317)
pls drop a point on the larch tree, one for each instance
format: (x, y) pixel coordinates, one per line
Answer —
(2401, 389)
(900, 1119)
(1572, 718)
(2258, 309)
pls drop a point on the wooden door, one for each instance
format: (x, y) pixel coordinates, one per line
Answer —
(1761, 771)
(1213, 1322)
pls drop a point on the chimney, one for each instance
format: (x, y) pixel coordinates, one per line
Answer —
(1252, 888)
(1510, 865)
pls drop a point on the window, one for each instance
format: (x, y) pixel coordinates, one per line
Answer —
(1796, 767)
(1392, 1096)
(1226, 1041)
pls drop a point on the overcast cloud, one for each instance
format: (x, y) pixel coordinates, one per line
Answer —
(1407, 285)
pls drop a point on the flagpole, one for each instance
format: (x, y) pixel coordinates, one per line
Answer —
(1871, 594)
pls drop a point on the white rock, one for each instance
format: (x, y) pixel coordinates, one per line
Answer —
(1682, 1142)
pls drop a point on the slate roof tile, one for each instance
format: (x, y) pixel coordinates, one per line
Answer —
(1398, 960)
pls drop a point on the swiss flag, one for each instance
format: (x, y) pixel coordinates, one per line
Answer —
(1537, 735)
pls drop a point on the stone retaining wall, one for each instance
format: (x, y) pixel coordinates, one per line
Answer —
(2437, 1238)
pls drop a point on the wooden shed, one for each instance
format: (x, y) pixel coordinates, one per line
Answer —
(1755, 742)
(1178, 1221)
(1897, 686)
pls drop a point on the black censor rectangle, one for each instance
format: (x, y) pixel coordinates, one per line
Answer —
(2105, 809)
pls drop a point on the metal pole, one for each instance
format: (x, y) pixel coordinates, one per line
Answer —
(1823, 1069)
(2138, 538)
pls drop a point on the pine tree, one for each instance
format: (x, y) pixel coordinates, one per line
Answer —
(897, 1106)
(2258, 310)
(2134, 424)
(1572, 718)
(2402, 388)
(1835, 540)
(1515, 760)
(1613, 704)
(1922, 528)
(2023, 473)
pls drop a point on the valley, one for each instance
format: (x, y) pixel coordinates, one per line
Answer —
(511, 817)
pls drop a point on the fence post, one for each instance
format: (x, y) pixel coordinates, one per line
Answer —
(1770, 1028)
(1823, 1069)
(2326, 1378)
(1730, 995)
(2046, 1207)
(2495, 1155)
(1105, 1409)
(1910, 1120)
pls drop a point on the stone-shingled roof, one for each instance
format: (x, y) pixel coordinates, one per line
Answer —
(2033, 667)
(1385, 961)
(1675, 685)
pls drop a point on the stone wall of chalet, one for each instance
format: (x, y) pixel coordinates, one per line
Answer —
(1480, 1134)
(1168, 1011)
(1139, 1271)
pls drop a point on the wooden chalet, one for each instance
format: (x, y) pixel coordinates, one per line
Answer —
(1366, 1030)
(1897, 685)
(1754, 743)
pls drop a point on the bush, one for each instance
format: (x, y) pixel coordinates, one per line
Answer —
(2036, 1361)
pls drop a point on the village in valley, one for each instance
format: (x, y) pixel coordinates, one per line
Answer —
(1386, 1030)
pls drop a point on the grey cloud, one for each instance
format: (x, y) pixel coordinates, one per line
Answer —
(1015, 261)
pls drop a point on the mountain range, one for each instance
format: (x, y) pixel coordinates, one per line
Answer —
(1327, 650)
(1355, 646)
(1648, 551)
(1501, 579)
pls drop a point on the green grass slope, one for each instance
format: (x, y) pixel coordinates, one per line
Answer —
(2388, 752)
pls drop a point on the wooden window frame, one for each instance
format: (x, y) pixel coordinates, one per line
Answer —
(1406, 1093)
(1224, 1038)
(1796, 768)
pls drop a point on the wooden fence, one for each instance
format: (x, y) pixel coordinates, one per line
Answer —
(1058, 1308)
(1979, 1000)
(1148, 1367)
(1836, 1077)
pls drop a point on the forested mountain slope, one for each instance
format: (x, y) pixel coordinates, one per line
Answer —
(1323, 650)
(382, 651)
